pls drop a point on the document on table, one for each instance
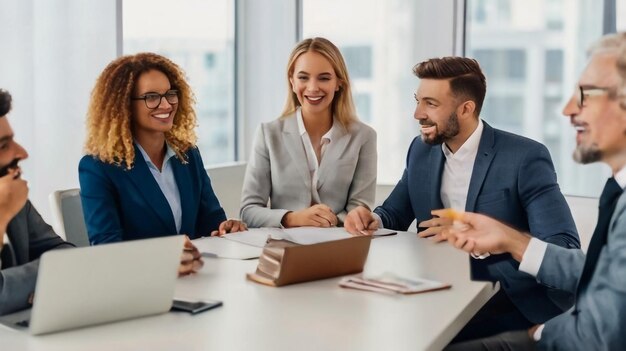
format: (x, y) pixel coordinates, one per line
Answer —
(249, 244)
(219, 247)
(301, 235)
(392, 283)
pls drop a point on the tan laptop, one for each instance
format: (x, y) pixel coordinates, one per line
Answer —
(101, 284)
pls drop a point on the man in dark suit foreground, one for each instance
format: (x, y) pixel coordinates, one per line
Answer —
(463, 163)
(597, 110)
(27, 235)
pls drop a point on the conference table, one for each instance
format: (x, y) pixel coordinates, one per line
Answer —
(317, 315)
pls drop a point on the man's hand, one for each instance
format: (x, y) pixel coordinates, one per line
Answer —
(229, 226)
(13, 196)
(532, 330)
(318, 215)
(360, 221)
(190, 260)
(478, 234)
(434, 228)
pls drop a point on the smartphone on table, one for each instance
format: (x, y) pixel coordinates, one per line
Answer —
(194, 307)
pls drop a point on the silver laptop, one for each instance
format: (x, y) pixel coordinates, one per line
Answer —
(100, 284)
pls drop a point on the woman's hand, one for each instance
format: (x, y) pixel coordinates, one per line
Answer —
(190, 260)
(318, 215)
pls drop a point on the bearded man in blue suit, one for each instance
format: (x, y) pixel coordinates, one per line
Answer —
(461, 162)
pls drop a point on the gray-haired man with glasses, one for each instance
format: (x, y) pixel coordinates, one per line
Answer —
(597, 110)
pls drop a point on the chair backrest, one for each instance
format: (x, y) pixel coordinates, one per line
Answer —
(585, 213)
(67, 211)
(227, 182)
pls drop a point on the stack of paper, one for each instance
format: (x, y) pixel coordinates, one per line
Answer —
(391, 283)
(248, 244)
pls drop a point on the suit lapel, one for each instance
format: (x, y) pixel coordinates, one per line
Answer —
(434, 177)
(340, 142)
(484, 157)
(293, 144)
(147, 186)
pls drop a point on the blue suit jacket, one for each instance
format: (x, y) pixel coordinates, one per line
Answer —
(121, 204)
(514, 181)
(599, 320)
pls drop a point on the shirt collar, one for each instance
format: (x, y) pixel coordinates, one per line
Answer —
(329, 135)
(620, 177)
(469, 147)
(169, 153)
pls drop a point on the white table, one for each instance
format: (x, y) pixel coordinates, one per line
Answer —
(309, 316)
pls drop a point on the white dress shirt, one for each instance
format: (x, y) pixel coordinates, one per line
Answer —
(457, 172)
(5, 242)
(167, 182)
(311, 157)
(536, 250)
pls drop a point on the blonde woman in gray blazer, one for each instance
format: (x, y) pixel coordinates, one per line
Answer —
(317, 161)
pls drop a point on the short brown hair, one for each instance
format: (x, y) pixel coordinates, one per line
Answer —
(466, 78)
(5, 102)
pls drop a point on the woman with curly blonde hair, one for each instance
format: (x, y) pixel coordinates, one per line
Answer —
(143, 175)
(317, 161)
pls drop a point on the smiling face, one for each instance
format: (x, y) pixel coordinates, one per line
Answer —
(314, 82)
(159, 119)
(436, 111)
(600, 123)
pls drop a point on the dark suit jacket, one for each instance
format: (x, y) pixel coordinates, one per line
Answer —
(121, 204)
(30, 237)
(514, 181)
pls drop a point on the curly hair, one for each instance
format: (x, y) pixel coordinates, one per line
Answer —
(109, 134)
(342, 105)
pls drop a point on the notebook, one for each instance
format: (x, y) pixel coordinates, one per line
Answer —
(100, 284)
(284, 262)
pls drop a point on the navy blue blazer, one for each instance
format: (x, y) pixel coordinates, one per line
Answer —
(121, 204)
(514, 181)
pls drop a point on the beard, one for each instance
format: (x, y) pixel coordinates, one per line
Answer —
(587, 154)
(450, 130)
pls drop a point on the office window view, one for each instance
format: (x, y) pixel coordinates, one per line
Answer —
(531, 52)
(202, 43)
(378, 48)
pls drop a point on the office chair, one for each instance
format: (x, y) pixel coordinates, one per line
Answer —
(67, 211)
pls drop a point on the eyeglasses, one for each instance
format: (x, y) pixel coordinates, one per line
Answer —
(583, 92)
(153, 100)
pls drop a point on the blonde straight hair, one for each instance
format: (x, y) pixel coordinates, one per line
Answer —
(342, 106)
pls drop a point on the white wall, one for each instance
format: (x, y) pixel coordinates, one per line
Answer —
(52, 52)
(266, 33)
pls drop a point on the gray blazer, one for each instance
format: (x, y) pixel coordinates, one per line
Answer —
(598, 321)
(277, 171)
(30, 237)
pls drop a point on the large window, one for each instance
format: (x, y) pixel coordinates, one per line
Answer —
(532, 53)
(377, 41)
(621, 15)
(199, 36)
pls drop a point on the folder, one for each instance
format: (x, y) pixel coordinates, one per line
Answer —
(283, 262)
